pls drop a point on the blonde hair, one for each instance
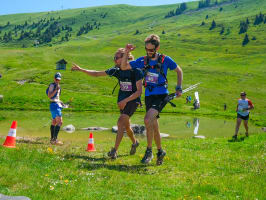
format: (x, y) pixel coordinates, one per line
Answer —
(153, 39)
(122, 51)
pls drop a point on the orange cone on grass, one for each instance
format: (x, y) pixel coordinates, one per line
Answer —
(91, 143)
(11, 138)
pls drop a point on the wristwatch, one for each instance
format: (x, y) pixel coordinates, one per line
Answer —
(178, 88)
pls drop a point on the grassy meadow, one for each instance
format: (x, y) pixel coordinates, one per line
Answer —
(219, 62)
(213, 168)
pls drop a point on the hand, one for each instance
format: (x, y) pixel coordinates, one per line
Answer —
(75, 67)
(122, 104)
(57, 87)
(130, 47)
(178, 94)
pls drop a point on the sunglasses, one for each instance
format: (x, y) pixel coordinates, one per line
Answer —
(150, 50)
(242, 95)
(116, 57)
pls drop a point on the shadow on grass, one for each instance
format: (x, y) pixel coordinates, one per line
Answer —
(87, 158)
(237, 140)
(100, 162)
(29, 142)
(139, 169)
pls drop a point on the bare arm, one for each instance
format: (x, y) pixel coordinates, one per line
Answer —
(124, 63)
(179, 72)
(133, 96)
(94, 73)
(51, 94)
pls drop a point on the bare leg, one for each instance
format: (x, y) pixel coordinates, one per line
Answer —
(238, 123)
(120, 131)
(129, 130)
(156, 132)
(148, 120)
(246, 126)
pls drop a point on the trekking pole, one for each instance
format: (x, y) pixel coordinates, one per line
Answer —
(171, 96)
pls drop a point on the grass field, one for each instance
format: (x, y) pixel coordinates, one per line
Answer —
(194, 169)
(218, 61)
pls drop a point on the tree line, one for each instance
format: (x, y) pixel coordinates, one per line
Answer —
(243, 27)
(178, 11)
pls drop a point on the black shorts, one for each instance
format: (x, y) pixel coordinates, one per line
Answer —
(156, 102)
(243, 117)
(130, 108)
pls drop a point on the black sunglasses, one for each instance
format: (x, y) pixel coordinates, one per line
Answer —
(116, 57)
(150, 50)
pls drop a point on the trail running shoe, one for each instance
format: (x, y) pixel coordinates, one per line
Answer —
(52, 142)
(57, 142)
(112, 154)
(160, 156)
(134, 148)
(234, 137)
(147, 157)
(246, 134)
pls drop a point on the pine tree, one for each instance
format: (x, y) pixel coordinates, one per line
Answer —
(163, 32)
(202, 23)
(247, 21)
(213, 25)
(222, 30)
(243, 27)
(246, 40)
(183, 7)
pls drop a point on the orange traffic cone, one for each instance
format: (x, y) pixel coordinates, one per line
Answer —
(11, 138)
(91, 143)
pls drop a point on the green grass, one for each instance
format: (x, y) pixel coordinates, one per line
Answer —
(193, 169)
(218, 61)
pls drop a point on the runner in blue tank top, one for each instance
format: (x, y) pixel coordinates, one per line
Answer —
(155, 67)
(128, 97)
(243, 108)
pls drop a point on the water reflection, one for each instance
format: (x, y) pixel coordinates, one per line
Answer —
(196, 123)
(36, 123)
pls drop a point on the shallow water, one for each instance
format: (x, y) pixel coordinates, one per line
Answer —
(37, 124)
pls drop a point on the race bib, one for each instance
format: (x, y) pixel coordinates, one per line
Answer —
(152, 78)
(126, 86)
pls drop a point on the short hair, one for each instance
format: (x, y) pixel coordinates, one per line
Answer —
(153, 39)
(243, 93)
(122, 51)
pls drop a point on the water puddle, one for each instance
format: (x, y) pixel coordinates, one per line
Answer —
(37, 124)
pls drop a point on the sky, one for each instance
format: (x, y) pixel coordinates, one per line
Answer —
(29, 6)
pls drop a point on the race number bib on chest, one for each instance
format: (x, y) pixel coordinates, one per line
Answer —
(152, 78)
(126, 86)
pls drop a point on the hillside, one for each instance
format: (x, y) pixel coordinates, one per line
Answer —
(214, 57)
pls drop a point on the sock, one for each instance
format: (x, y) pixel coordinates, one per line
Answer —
(160, 150)
(149, 149)
(57, 129)
(52, 129)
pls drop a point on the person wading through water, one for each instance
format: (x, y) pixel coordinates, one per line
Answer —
(155, 67)
(128, 97)
(53, 92)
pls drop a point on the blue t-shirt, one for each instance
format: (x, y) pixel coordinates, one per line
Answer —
(154, 78)
(127, 81)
